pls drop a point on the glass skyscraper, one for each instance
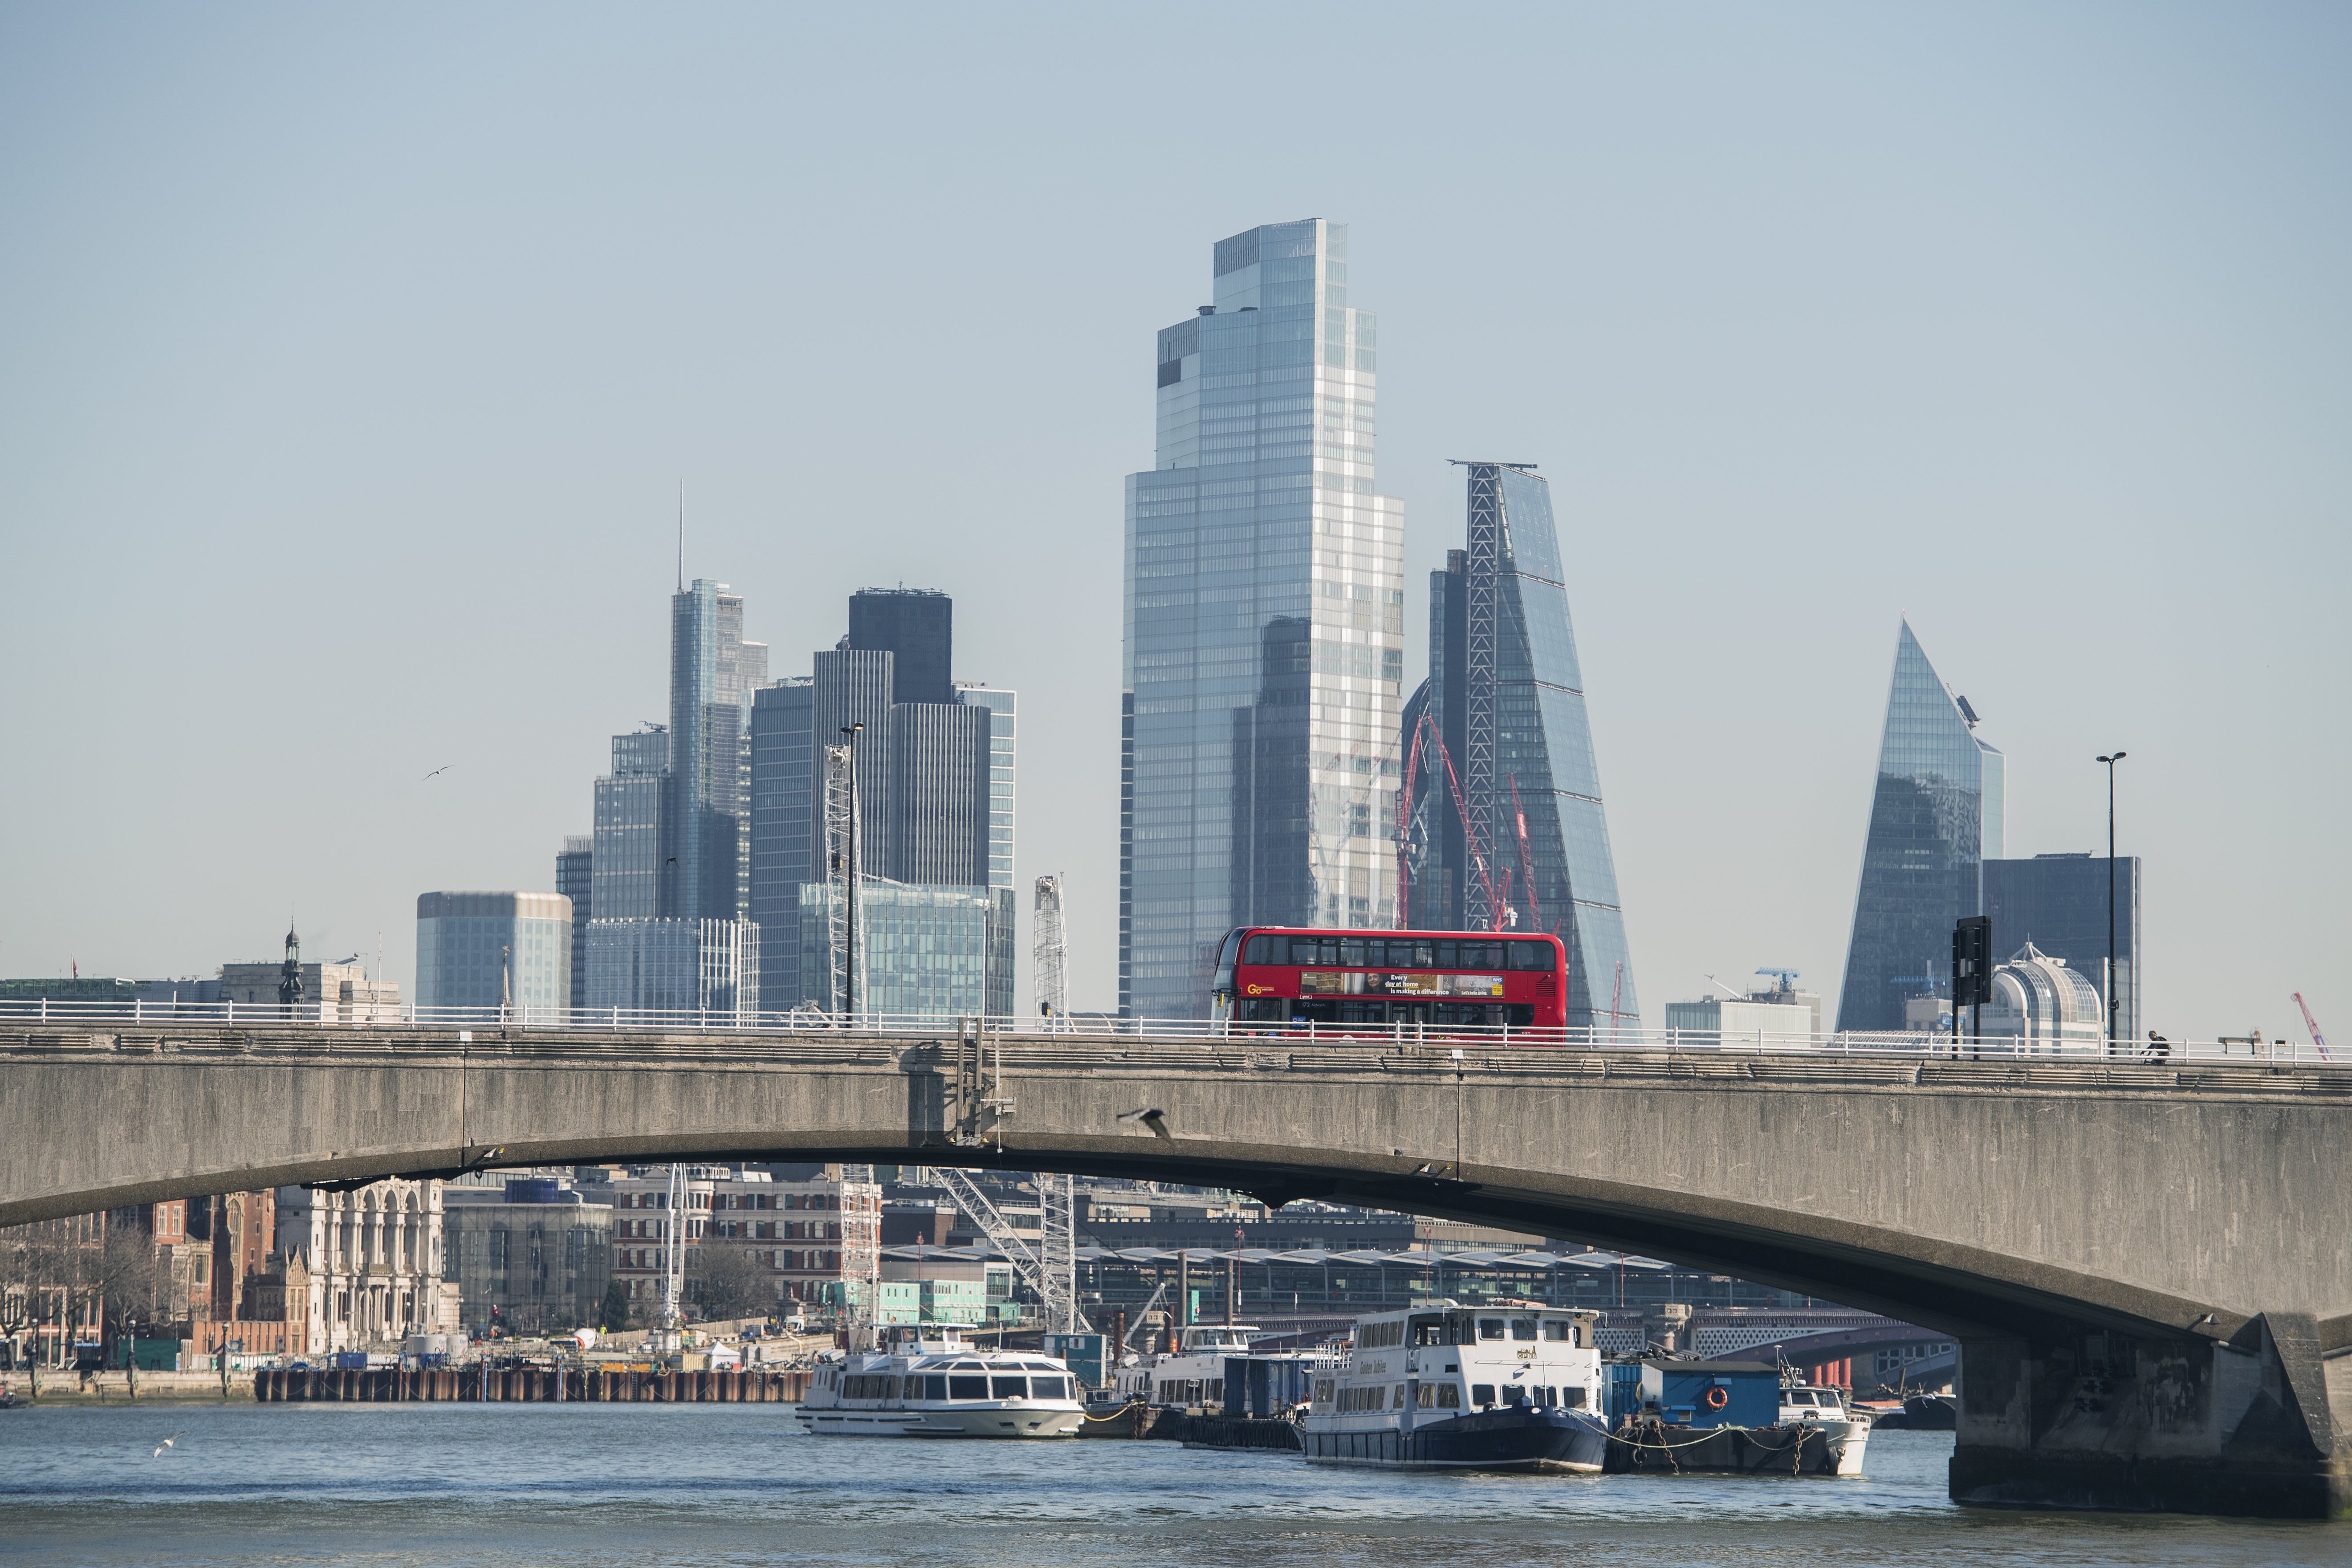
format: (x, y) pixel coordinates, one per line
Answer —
(712, 671)
(1264, 635)
(488, 950)
(1500, 734)
(575, 879)
(2059, 903)
(1934, 818)
(629, 843)
(926, 951)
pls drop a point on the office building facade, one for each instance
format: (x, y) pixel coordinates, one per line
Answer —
(371, 1261)
(2058, 903)
(811, 1242)
(1935, 816)
(575, 877)
(712, 671)
(1262, 633)
(924, 951)
(629, 845)
(934, 762)
(708, 968)
(488, 951)
(1498, 738)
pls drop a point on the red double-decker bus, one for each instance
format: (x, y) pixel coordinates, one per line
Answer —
(1288, 974)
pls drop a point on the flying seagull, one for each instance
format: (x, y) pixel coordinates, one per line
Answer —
(1151, 1117)
(437, 772)
(166, 1443)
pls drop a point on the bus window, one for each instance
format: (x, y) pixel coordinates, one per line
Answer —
(1412, 956)
(1519, 1014)
(1444, 954)
(1482, 955)
(1302, 950)
(1535, 955)
(1260, 949)
(1352, 952)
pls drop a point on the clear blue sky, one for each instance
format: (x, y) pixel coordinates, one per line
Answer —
(353, 357)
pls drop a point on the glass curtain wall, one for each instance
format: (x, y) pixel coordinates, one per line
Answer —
(1921, 863)
(1263, 627)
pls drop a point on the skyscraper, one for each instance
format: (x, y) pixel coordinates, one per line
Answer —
(1264, 637)
(1935, 818)
(935, 779)
(575, 879)
(625, 879)
(494, 951)
(712, 671)
(1498, 735)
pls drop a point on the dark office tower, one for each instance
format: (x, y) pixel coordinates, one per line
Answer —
(783, 780)
(938, 793)
(1935, 818)
(711, 673)
(917, 627)
(625, 866)
(576, 879)
(853, 687)
(2059, 903)
(1264, 646)
(1505, 697)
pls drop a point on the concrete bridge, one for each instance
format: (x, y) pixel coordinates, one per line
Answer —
(2146, 1265)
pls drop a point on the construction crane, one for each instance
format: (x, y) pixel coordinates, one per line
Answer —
(2312, 1024)
(1050, 956)
(1051, 1267)
(673, 1280)
(1498, 904)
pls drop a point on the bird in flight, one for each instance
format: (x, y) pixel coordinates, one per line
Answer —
(1424, 1169)
(437, 772)
(1151, 1117)
(166, 1443)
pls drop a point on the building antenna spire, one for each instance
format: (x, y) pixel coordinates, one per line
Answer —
(681, 536)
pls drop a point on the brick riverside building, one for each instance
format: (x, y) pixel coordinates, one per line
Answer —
(809, 1238)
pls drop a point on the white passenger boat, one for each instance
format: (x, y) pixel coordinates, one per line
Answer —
(1446, 1387)
(1191, 1377)
(926, 1381)
(1847, 1429)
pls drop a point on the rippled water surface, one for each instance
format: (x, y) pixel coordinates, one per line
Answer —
(508, 1484)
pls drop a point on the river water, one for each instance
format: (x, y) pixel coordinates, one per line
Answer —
(500, 1486)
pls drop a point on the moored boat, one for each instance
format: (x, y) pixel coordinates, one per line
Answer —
(926, 1381)
(1508, 1388)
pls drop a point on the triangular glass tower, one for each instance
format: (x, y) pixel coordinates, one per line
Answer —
(1503, 706)
(1935, 816)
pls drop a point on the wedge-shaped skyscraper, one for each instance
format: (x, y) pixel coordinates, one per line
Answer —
(1504, 826)
(1935, 818)
(1265, 625)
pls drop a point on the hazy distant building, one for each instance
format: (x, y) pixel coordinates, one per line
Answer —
(628, 848)
(335, 993)
(812, 1242)
(532, 1255)
(576, 879)
(1778, 1013)
(934, 772)
(712, 671)
(1499, 733)
(927, 952)
(705, 967)
(2059, 904)
(1264, 627)
(485, 951)
(1935, 818)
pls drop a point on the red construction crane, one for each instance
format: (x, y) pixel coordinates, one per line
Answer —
(2312, 1025)
(1498, 904)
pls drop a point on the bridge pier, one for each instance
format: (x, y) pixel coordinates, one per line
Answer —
(2242, 1426)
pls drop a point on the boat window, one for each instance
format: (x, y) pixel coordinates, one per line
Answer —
(1216, 1391)
(1428, 1400)
(1429, 1330)
(968, 1366)
(1482, 1393)
(1050, 1387)
(1008, 1388)
(1323, 1390)
(935, 1388)
(1560, 1328)
(1573, 1398)
(1449, 1396)
(1490, 1328)
(1523, 1329)
(1037, 1366)
(1397, 1396)
(1800, 1397)
(967, 1388)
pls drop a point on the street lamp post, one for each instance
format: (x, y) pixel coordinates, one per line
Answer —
(2110, 761)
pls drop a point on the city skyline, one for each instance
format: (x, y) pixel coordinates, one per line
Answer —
(319, 464)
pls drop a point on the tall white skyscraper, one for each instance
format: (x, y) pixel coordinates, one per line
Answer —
(1264, 635)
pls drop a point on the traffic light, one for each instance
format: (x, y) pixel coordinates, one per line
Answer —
(1973, 960)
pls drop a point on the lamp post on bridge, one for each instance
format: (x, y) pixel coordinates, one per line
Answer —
(2110, 761)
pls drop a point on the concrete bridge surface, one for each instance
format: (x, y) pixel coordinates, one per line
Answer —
(2146, 1266)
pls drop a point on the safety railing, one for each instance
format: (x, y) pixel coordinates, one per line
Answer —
(1400, 1038)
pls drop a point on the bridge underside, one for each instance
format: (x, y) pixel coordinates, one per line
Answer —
(2144, 1266)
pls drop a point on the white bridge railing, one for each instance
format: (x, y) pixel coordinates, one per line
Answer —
(1419, 1037)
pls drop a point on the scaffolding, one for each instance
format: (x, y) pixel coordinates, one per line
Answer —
(845, 976)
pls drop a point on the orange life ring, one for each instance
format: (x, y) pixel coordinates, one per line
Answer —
(1717, 1397)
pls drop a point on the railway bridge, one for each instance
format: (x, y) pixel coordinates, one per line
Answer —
(2147, 1266)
